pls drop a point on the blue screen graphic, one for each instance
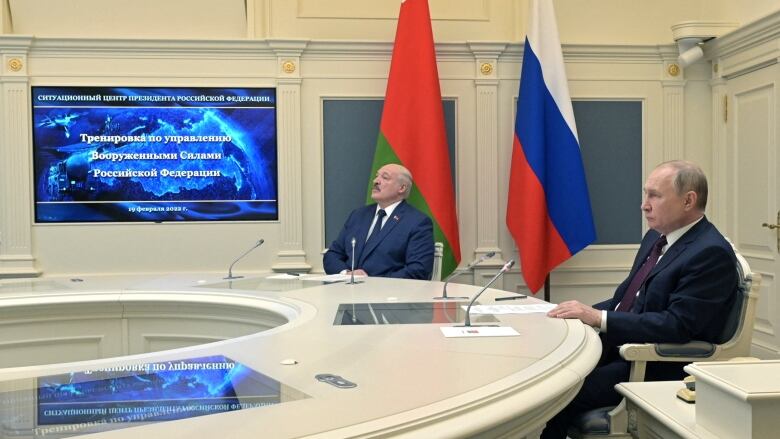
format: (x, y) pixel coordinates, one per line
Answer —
(154, 154)
(153, 392)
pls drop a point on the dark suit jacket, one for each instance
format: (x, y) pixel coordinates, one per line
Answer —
(404, 248)
(685, 297)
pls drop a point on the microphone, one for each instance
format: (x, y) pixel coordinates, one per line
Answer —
(503, 270)
(230, 270)
(352, 280)
(456, 273)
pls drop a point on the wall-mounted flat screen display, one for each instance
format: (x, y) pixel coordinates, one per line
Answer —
(132, 154)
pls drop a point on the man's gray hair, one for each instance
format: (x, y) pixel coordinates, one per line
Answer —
(405, 178)
(689, 177)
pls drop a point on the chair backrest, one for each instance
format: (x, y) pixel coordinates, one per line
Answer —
(609, 422)
(438, 255)
(737, 334)
(736, 337)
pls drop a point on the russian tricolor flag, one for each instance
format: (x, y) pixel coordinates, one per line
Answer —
(548, 211)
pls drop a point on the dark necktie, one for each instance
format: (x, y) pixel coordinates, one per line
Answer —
(377, 226)
(639, 278)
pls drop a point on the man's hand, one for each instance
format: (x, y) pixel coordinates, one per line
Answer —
(358, 272)
(572, 309)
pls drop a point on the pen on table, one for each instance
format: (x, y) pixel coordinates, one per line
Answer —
(511, 297)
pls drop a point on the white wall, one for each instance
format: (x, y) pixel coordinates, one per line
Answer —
(747, 11)
(130, 19)
(581, 21)
(614, 49)
(5, 18)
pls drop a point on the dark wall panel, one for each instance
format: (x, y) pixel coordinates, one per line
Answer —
(350, 132)
(610, 134)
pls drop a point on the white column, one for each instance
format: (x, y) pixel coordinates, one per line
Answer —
(291, 256)
(16, 258)
(718, 181)
(486, 84)
(488, 221)
(674, 106)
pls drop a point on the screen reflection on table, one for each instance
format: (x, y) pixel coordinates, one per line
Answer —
(402, 313)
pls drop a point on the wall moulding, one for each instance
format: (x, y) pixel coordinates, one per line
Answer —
(124, 46)
(749, 47)
(316, 49)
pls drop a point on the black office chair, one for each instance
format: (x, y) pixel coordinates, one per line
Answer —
(737, 335)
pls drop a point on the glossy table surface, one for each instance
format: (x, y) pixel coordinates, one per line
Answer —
(411, 380)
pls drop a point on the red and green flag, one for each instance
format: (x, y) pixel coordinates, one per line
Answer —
(412, 128)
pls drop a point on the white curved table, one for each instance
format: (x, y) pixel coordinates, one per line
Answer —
(412, 381)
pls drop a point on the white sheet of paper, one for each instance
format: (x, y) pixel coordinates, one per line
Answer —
(512, 309)
(478, 331)
(332, 277)
(285, 276)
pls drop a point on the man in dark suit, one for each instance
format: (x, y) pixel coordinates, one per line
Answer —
(682, 284)
(392, 238)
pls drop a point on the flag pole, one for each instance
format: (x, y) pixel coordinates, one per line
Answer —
(547, 288)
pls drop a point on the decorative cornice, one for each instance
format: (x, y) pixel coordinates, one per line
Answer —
(287, 47)
(123, 46)
(506, 51)
(702, 29)
(15, 43)
(322, 49)
(619, 53)
(745, 37)
(487, 49)
(372, 50)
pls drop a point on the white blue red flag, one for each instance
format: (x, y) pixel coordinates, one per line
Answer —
(548, 211)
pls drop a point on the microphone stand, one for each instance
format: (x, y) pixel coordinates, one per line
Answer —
(352, 280)
(503, 270)
(456, 273)
(230, 270)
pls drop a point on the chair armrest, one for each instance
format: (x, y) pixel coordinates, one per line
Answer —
(639, 352)
(693, 349)
(669, 352)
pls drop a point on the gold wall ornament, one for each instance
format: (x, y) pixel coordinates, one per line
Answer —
(673, 69)
(288, 67)
(486, 68)
(15, 64)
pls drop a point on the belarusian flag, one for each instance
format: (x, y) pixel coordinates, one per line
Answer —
(412, 128)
